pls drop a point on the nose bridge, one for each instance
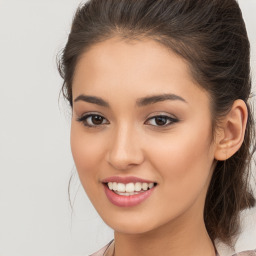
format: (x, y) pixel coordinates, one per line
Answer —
(125, 150)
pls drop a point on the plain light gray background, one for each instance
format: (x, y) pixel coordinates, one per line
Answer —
(35, 157)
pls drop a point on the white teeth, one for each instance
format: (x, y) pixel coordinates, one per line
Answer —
(137, 186)
(114, 186)
(120, 187)
(145, 186)
(126, 193)
(151, 185)
(110, 185)
(129, 188)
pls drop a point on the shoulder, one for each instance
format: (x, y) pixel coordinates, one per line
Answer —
(102, 250)
(225, 250)
(246, 253)
(243, 253)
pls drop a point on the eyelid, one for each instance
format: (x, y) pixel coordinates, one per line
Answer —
(172, 119)
(82, 118)
(165, 114)
(155, 114)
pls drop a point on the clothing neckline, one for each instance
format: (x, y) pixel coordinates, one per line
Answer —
(111, 249)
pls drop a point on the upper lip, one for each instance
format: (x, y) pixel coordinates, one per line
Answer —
(125, 180)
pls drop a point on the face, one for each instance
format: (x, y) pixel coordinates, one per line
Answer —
(139, 117)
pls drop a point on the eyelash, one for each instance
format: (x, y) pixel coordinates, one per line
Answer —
(170, 120)
(83, 119)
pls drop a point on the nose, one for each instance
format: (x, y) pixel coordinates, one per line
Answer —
(124, 149)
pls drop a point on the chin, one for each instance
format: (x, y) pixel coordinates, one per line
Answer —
(132, 225)
(127, 228)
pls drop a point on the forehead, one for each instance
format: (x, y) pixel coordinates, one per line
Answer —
(132, 68)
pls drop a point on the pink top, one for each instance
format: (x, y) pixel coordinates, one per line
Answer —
(244, 253)
(102, 250)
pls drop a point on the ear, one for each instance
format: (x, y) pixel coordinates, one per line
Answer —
(230, 135)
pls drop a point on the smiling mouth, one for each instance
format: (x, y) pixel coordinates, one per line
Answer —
(129, 189)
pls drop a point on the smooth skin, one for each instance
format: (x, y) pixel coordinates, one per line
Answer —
(126, 137)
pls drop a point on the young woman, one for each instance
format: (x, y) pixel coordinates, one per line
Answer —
(161, 124)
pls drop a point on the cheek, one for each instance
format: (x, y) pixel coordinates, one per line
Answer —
(86, 151)
(184, 162)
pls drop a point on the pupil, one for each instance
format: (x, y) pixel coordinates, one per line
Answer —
(97, 119)
(160, 120)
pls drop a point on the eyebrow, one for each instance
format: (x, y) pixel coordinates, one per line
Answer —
(158, 98)
(140, 102)
(92, 99)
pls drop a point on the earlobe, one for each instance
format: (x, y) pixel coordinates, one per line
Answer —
(231, 135)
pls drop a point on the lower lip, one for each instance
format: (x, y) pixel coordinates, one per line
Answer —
(127, 201)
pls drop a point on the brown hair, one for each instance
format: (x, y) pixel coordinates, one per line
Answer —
(211, 36)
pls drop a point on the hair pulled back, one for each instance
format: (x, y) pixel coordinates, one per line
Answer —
(211, 36)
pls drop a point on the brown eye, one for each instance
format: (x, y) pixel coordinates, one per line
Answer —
(92, 120)
(97, 120)
(161, 120)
